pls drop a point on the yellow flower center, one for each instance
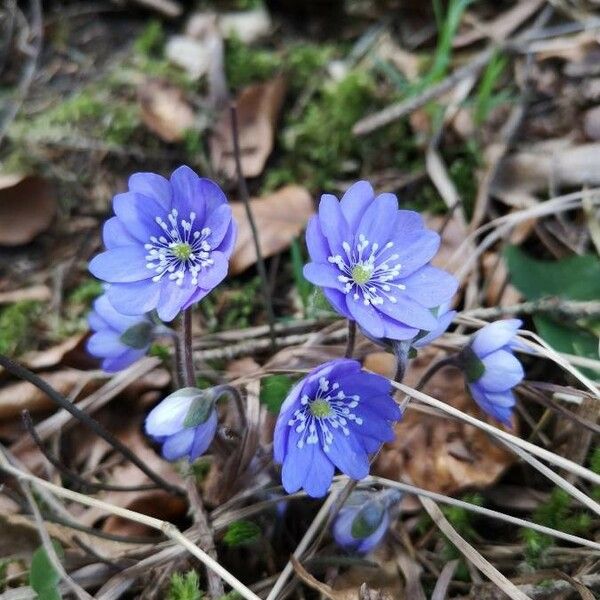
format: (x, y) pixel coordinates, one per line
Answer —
(182, 250)
(361, 273)
(320, 409)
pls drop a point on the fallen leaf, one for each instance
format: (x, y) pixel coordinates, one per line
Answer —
(50, 357)
(440, 454)
(258, 108)
(164, 110)
(498, 292)
(27, 208)
(279, 218)
(16, 397)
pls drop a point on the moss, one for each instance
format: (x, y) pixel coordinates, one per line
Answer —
(245, 65)
(185, 587)
(242, 533)
(16, 326)
(151, 41)
(85, 292)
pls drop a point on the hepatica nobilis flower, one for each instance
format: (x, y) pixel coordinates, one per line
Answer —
(168, 245)
(372, 261)
(119, 339)
(492, 370)
(364, 519)
(185, 423)
(334, 417)
(444, 317)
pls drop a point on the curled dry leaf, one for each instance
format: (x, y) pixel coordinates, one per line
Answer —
(164, 110)
(27, 208)
(50, 357)
(439, 454)
(258, 108)
(279, 217)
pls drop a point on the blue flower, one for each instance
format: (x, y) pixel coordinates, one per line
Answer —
(372, 261)
(364, 519)
(492, 370)
(444, 318)
(168, 245)
(119, 339)
(334, 417)
(185, 423)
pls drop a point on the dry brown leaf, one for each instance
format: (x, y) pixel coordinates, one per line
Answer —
(498, 292)
(27, 208)
(258, 108)
(50, 357)
(552, 163)
(439, 454)
(279, 217)
(16, 397)
(164, 110)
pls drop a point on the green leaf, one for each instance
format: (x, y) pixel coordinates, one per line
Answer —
(575, 278)
(43, 577)
(568, 339)
(273, 391)
(242, 533)
(138, 336)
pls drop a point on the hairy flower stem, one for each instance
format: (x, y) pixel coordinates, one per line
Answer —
(189, 376)
(215, 585)
(245, 197)
(22, 373)
(351, 339)
(401, 350)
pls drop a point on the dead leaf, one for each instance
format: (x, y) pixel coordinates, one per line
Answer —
(39, 293)
(242, 367)
(439, 454)
(164, 110)
(279, 218)
(498, 291)
(591, 123)
(17, 397)
(258, 108)
(27, 208)
(50, 357)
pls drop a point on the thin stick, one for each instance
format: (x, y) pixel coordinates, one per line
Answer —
(245, 197)
(351, 339)
(486, 512)
(49, 548)
(96, 487)
(164, 526)
(551, 457)
(557, 306)
(22, 373)
(186, 349)
(215, 584)
(507, 586)
(304, 542)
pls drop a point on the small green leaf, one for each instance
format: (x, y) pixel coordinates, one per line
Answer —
(43, 577)
(575, 278)
(367, 520)
(185, 587)
(242, 533)
(138, 336)
(273, 391)
(472, 365)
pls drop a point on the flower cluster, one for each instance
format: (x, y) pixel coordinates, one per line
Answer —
(363, 520)
(335, 417)
(372, 261)
(492, 370)
(168, 244)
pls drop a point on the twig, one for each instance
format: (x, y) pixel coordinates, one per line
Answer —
(49, 548)
(169, 8)
(164, 526)
(480, 510)
(215, 584)
(245, 197)
(469, 552)
(558, 306)
(23, 373)
(351, 339)
(97, 487)
(304, 542)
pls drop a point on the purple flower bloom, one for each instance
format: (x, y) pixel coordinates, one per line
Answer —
(168, 245)
(364, 519)
(185, 423)
(119, 339)
(334, 417)
(444, 318)
(492, 370)
(372, 261)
